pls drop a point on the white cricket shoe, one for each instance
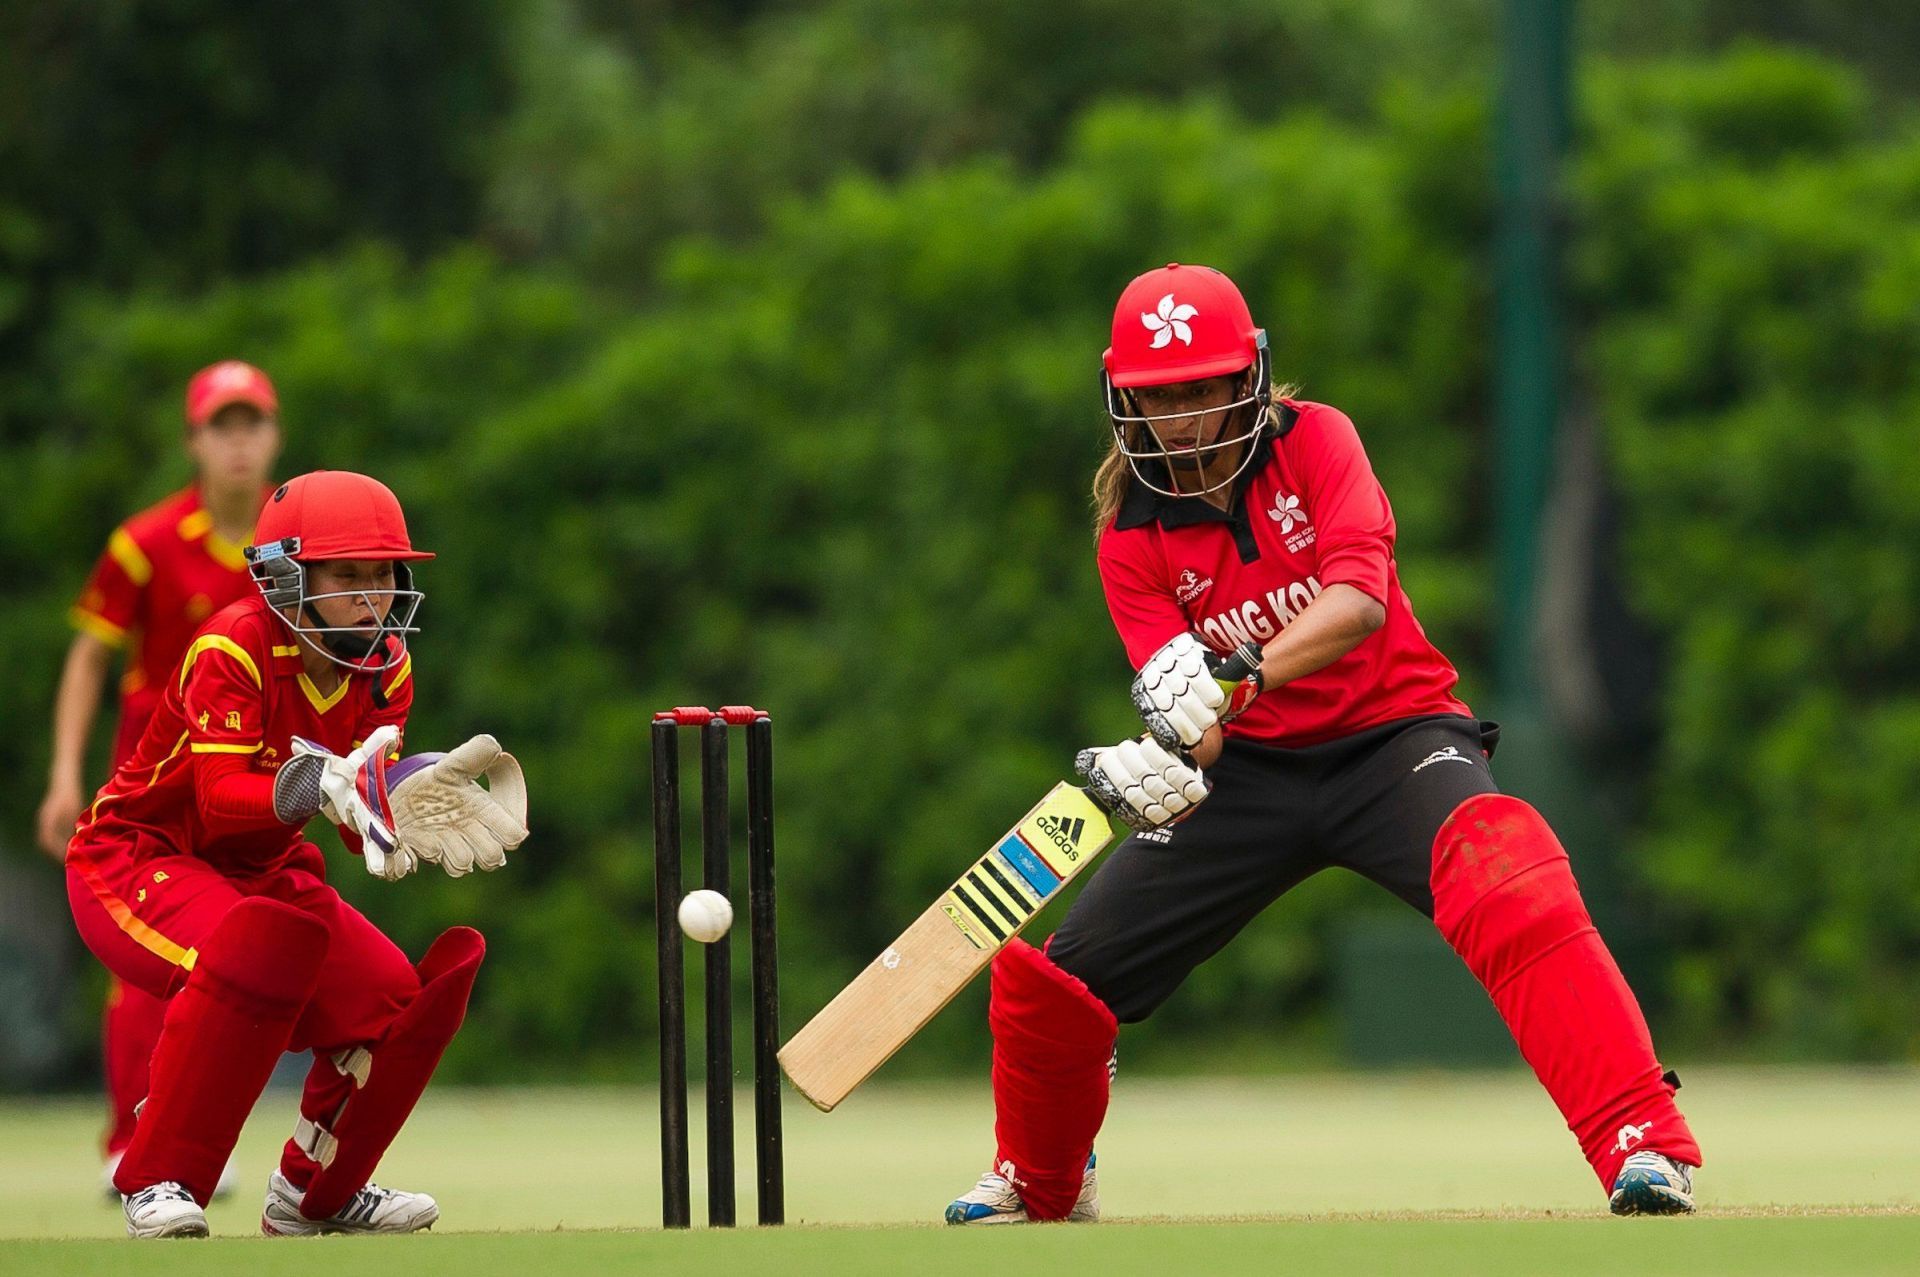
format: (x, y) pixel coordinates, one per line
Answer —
(222, 1188)
(994, 1200)
(1652, 1184)
(371, 1210)
(163, 1210)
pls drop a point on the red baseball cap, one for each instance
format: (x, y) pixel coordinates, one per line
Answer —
(337, 514)
(228, 382)
(1180, 323)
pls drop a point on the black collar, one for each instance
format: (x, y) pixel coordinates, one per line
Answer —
(1142, 505)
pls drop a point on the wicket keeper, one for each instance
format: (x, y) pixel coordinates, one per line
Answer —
(191, 879)
(1231, 516)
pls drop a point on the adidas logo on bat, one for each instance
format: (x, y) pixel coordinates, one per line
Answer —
(1065, 834)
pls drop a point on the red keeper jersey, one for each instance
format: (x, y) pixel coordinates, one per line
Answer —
(1307, 514)
(163, 573)
(240, 689)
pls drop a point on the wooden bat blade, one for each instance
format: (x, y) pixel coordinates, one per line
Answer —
(946, 947)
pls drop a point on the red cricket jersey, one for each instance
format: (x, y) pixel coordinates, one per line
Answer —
(1307, 514)
(240, 689)
(163, 573)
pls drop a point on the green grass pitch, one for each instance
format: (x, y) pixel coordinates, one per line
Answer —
(1808, 1171)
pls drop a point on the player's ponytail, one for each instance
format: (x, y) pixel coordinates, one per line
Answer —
(1109, 488)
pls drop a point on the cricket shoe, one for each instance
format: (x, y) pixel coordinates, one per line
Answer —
(163, 1210)
(371, 1210)
(1652, 1184)
(994, 1200)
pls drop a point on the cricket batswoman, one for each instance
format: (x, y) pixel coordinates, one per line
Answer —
(163, 573)
(1230, 515)
(191, 878)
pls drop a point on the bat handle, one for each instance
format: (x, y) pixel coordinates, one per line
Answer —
(1244, 660)
(1241, 665)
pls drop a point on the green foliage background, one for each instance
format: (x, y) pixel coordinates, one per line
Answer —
(745, 353)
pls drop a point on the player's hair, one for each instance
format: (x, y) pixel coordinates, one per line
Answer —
(1110, 479)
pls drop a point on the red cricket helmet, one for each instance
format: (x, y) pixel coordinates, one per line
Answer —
(1183, 323)
(228, 382)
(336, 514)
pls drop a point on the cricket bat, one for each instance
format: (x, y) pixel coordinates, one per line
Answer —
(954, 940)
(946, 947)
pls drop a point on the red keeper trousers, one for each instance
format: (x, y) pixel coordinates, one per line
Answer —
(144, 913)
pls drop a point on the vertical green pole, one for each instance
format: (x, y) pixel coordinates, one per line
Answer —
(1530, 365)
(1533, 131)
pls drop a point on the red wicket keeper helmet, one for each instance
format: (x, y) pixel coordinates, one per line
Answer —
(336, 514)
(1184, 323)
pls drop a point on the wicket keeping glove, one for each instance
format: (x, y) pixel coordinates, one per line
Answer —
(349, 791)
(443, 815)
(1182, 691)
(1142, 783)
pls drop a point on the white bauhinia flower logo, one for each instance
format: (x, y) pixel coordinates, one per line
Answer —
(1286, 512)
(1169, 321)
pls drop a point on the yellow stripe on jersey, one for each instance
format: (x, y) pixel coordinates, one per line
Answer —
(219, 549)
(208, 747)
(226, 553)
(285, 649)
(98, 626)
(218, 643)
(131, 558)
(104, 799)
(319, 702)
(406, 672)
(171, 755)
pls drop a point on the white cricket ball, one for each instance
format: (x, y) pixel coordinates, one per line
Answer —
(705, 916)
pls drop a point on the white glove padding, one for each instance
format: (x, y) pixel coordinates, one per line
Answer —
(353, 795)
(1144, 784)
(1177, 694)
(443, 815)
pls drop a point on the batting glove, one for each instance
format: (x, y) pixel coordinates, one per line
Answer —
(1144, 784)
(1182, 690)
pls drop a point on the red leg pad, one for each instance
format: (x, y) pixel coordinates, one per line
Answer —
(1051, 1042)
(223, 1033)
(403, 1060)
(1505, 899)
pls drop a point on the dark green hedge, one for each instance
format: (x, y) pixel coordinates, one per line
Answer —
(838, 468)
(1751, 255)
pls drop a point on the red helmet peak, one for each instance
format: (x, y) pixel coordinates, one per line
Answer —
(337, 514)
(1180, 323)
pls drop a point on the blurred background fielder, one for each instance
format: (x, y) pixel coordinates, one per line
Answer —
(163, 573)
